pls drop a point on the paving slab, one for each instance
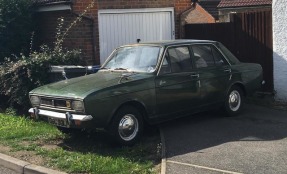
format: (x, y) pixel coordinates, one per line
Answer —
(4, 170)
(34, 169)
(12, 165)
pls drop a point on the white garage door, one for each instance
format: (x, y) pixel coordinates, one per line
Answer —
(127, 26)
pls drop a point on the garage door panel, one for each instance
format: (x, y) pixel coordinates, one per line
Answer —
(119, 27)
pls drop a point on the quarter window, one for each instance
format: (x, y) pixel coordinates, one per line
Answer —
(218, 57)
(207, 56)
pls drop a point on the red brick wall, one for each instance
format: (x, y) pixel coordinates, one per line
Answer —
(79, 37)
(86, 43)
(199, 15)
(196, 14)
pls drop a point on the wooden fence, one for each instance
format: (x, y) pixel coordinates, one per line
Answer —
(248, 36)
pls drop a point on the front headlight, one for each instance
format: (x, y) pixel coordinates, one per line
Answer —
(35, 100)
(78, 106)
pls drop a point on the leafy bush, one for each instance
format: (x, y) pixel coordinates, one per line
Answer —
(16, 26)
(22, 74)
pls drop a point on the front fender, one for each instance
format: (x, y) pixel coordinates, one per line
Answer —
(104, 109)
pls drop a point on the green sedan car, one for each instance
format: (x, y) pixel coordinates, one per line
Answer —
(148, 83)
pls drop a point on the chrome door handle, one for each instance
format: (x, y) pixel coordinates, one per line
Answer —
(162, 82)
(194, 75)
(227, 70)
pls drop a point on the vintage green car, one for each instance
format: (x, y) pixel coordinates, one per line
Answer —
(148, 83)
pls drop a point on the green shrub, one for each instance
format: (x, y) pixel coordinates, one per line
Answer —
(21, 74)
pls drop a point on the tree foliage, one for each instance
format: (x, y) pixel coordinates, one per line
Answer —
(16, 25)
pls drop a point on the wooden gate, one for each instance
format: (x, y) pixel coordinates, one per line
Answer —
(248, 36)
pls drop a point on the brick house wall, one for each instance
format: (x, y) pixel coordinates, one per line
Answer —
(85, 35)
(79, 37)
(194, 15)
(199, 15)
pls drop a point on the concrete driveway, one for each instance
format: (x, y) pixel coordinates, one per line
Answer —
(253, 142)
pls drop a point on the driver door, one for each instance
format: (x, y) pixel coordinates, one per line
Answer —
(177, 84)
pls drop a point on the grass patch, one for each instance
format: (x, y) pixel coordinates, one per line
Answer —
(80, 153)
(20, 128)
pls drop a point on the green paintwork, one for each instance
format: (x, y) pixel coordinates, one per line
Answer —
(81, 87)
(158, 96)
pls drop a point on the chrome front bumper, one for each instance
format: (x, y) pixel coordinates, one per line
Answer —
(57, 115)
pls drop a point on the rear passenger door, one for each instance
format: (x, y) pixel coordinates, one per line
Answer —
(214, 72)
(177, 90)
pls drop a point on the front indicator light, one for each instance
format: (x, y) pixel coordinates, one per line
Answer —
(68, 103)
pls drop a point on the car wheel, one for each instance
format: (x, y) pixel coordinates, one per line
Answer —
(127, 126)
(234, 101)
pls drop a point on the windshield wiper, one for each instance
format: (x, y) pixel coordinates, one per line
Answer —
(124, 69)
(104, 68)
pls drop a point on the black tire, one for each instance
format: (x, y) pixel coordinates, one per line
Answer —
(127, 126)
(234, 101)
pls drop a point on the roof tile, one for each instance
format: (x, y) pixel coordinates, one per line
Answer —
(243, 3)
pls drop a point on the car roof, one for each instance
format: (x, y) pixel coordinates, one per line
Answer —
(174, 42)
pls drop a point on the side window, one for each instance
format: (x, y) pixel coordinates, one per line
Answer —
(176, 59)
(218, 57)
(179, 59)
(202, 56)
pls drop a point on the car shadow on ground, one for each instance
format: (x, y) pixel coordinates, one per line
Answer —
(101, 143)
(210, 129)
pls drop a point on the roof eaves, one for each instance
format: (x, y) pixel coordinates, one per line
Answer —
(51, 2)
(244, 6)
(243, 3)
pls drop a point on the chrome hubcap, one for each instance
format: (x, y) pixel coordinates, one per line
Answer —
(234, 100)
(128, 127)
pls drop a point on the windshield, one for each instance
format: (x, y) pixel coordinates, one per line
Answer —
(134, 58)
